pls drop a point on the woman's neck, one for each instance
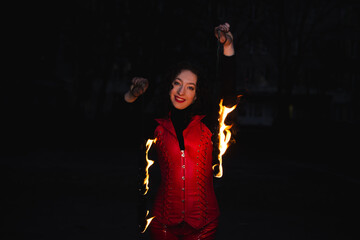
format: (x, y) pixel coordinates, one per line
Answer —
(181, 115)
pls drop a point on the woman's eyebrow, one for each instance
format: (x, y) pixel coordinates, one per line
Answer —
(177, 78)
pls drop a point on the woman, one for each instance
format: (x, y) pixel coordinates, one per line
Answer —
(186, 206)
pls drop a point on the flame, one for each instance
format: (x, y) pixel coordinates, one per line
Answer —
(224, 134)
(149, 143)
(148, 221)
(149, 163)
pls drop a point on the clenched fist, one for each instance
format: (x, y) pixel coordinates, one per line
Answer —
(138, 87)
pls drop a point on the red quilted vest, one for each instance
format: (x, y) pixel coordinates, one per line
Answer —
(186, 190)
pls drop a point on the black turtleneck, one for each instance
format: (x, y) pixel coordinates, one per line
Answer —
(180, 120)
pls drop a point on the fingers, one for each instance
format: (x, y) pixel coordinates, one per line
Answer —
(223, 27)
(139, 81)
(139, 86)
(222, 32)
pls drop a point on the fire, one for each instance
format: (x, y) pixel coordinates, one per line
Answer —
(224, 134)
(146, 179)
(148, 221)
(149, 163)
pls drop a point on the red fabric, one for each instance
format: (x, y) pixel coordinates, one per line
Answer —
(182, 231)
(186, 192)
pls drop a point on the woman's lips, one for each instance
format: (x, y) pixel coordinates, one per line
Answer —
(179, 99)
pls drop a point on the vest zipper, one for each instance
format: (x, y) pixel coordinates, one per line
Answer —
(183, 186)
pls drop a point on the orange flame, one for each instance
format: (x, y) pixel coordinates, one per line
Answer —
(149, 163)
(149, 143)
(224, 134)
(148, 221)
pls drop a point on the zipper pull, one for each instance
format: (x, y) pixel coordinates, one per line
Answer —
(182, 153)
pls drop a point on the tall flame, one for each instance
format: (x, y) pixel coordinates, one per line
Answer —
(224, 134)
(148, 221)
(149, 163)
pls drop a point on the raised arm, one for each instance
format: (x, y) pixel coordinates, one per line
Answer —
(227, 64)
(223, 34)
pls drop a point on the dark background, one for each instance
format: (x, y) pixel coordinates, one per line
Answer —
(70, 164)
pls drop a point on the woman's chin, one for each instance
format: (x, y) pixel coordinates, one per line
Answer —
(179, 106)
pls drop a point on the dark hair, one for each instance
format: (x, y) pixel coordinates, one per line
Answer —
(200, 106)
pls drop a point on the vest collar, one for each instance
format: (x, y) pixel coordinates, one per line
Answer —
(167, 124)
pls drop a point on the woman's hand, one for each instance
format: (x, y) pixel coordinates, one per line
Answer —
(138, 87)
(225, 37)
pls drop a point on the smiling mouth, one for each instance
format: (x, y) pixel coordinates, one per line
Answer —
(179, 99)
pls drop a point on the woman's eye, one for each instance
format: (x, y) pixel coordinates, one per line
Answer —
(191, 88)
(176, 83)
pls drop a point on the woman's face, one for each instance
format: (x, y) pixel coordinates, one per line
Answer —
(183, 92)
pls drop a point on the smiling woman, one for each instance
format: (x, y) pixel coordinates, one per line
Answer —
(183, 92)
(185, 206)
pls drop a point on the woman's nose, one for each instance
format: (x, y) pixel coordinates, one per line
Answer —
(181, 90)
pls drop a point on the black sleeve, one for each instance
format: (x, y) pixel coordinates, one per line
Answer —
(134, 124)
